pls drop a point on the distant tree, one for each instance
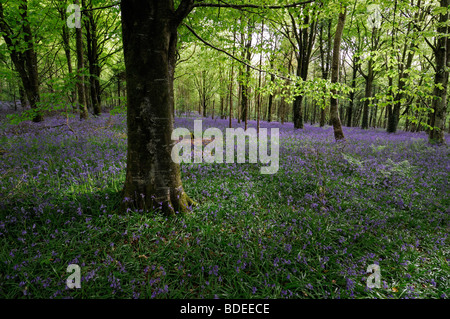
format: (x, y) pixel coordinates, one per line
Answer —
(82, 106)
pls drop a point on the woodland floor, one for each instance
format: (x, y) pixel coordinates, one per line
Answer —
(308, 231)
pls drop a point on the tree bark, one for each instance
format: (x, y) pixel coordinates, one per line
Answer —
(80, 67)
(93, 59)
(245, 86)
(325, 60)
(231, 83)
(442, 57)
(203, 94)
(269, 107)
(368, 95)
(258, 95)
(153, 180)
(334, 112)
(355, 61)
(66, 46)
(305, 37)
(230, 115)
(403, 66)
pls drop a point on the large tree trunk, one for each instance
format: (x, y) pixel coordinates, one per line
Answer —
(153, 180)
(442, 56)
(334, 112)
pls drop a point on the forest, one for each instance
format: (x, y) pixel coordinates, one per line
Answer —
(349, 98)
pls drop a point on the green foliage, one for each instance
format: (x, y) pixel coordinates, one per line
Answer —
(402, 168)
(404, 30)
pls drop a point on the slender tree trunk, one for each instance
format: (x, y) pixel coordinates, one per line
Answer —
(305, 111)
(381, 117)
(231, 83)
(119, 89)
(389, 108)
(258, 95)
(281, 109)
(442, 57)
(408, 55)
(395, 114)
(68, 54)
(93, 55)
(240, 76)
(325, 59)
(334, 112)
(245, 87)
(80, 83)
(22, 97)
(374, 120)
(352, 93)
(407, 122)
(222, 104)
(313, 119)
(231, 98)
(297, 106)
(270, 105)
(390, 111)
(367, 96)
(203, 92)
(305, 40)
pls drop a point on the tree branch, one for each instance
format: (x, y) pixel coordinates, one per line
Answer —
(223, 4)
(431, 45)
(183, 10)
(230, 55)
(100, 8)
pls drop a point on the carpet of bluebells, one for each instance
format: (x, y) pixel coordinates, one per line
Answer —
(309, 231)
